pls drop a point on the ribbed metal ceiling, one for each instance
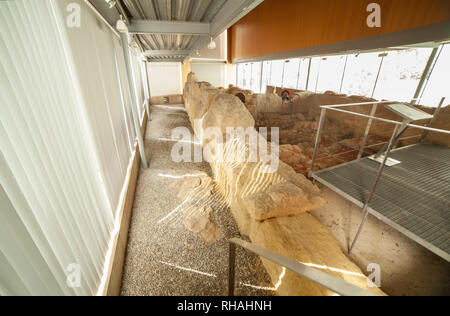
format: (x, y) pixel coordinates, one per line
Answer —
(172, 10)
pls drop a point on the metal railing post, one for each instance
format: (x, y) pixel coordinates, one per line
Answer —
(366, 133)
(321, 278)
(372, 190)
(134, 106)
(318, 138)
(430, 124)
(231, 268)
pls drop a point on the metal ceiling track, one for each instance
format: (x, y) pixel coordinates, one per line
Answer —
(171, 30)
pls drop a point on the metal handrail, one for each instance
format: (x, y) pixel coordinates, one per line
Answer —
(437, 130)
(326, 280)
(395, 137)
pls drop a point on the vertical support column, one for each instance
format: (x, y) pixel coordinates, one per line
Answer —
(318, 74)
(231, 268)
(366, 133)
(343, 73)
(261, 80)
(251, 77)
(378, 74)
(435, 53)
(147, 83)
(307, 77)
(134, 106)
(374, 186)
(270, 74)
(430, 124)
(298, 73)
(318, 138)
(282, 76)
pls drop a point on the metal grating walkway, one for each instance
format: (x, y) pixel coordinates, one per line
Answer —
(413, 197)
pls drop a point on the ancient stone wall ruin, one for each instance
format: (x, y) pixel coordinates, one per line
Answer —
(269, 207)
(298, 120)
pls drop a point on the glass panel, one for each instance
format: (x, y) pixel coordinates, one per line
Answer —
(331, 70)
(401, 73)
(232, 80)
(247, 76)
(314, 73)
(277, 73)
(266, 75)
(438, 85)
(361, 74)
(240, 82)
(303, 74)
(256, 78)
(291, 74)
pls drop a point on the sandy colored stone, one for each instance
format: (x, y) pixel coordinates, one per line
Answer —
(185, 186)
(248, 94)
(256, 198)
(304, 239)
(198, 218)
(191, 77)
(211, 233)
(268, 103)
(281, 199)
(270, 89)
(227, 111)
(193, 186)
(206, 99)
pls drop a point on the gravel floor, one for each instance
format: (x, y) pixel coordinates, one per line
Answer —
(163, 257)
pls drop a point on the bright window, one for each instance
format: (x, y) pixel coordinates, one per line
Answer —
(331, 70)
(304, 64)
(266, 75)
(276, 78)
(291, 73)
(360, 74)
(256, 78)
(247, 76)
(438, 85)
(240, 82)
(232, 80)
(314, 74)
(401, 73)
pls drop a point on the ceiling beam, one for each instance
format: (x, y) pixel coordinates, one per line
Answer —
(160, 53)
(231, 12)
(169, 27)
(166, 60)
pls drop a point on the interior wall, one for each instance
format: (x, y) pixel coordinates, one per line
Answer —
(214, 73)
(185, 70)
(165, 79)
(220, 52)
(283, 25)
(65, 137)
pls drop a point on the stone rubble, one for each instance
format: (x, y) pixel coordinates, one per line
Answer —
(196, 191)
